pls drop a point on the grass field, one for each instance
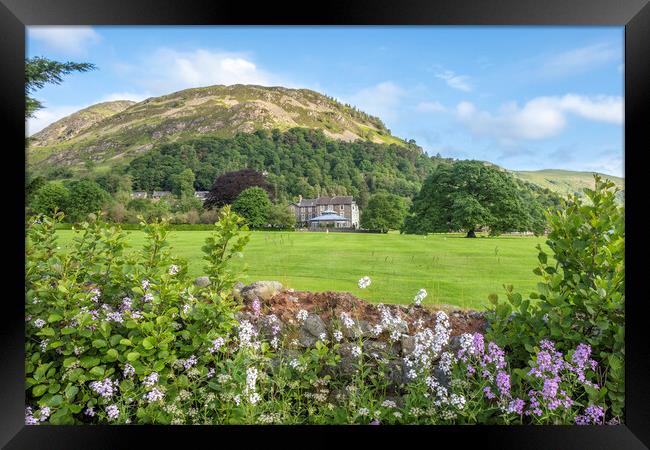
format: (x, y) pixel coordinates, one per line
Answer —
(454, 270)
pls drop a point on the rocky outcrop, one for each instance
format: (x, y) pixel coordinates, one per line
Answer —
(383, 335)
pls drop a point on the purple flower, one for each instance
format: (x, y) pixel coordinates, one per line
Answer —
(112, 412)
(488, 392)
(256, 306)
(126, 304)
(479, 344)
(503, 383)
(375, 422)
(154, 395)
(90, 411)
(129, 370)
(105, 388)
(516, 406)
(217, 344)
(189, 362)
(44, 413)
(549, 391)
(150, 379)
(592, 415)
(29, 418)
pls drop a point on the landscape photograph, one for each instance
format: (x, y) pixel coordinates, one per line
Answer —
(336, 225)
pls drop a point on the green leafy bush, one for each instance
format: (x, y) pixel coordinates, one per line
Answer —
(581, 293)
(101, 321)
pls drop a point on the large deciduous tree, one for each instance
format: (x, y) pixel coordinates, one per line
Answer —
(469, 195)
(228, 186)
(48, 198)
(384, 212)
(85, 197)
(253, 205)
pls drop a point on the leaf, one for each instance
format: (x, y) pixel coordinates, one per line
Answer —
(132, 356)
(55, 400)
(39, 390)
(126, 342)
(71, 392)
(89, 361)
(99, 343)
(54, 318)
(148, 342)
(97, 371)
(111, 355)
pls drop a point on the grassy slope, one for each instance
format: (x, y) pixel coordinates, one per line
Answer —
(215, 110)
(453, 269)
(564, 181)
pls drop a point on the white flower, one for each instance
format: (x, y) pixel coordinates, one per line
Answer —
(302, 315)
(363, 411)
(388, 404)
(458, 401)
(322, 336)
(348, 322)
(173, 269)
(39, 323)
(356, 351)
(251, 379)
(364, 282)
(422, 293)
(337, 335)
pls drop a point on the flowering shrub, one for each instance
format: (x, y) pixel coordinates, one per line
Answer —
(581, 295)
(110, 335)
(122, 337)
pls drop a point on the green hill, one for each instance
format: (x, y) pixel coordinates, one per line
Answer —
(340, 149)
(119, 131)
(565, 181)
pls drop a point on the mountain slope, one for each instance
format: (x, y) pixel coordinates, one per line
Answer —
(71, 126)
(565, 181)
(220, 111)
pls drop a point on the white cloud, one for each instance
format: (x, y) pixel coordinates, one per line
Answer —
(579, 59)
(460, 82)
(610, 165)
(381, 100)
(67, 39)
(433, 106)
(170, 70)
(540, 118)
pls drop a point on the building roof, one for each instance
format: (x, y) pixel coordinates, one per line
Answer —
(338, 200)
(329, 216)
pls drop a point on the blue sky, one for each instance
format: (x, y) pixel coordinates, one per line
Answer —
(525, 98)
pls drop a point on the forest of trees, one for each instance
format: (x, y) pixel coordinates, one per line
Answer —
(299, 162)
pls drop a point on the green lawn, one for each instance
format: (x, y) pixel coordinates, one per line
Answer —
(454, 270)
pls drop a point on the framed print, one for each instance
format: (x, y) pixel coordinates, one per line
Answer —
(262, 219)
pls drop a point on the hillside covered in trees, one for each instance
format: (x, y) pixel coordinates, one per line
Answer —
(298, 162)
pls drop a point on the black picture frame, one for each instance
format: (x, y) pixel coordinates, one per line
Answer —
(634, 15)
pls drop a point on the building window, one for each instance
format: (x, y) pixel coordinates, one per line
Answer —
(342, 207)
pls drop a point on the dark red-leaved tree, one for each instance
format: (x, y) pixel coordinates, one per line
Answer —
(228, 186)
